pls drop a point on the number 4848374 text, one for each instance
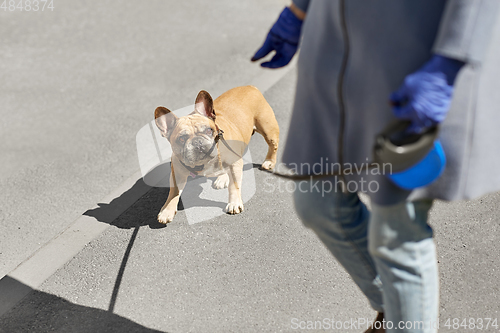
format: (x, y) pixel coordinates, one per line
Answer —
(27, 5)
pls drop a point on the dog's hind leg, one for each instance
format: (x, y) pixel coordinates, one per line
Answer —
(269, 129)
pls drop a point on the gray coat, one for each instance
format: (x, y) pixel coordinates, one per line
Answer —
(354, 53)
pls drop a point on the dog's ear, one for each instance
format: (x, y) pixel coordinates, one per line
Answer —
(204, 105)
(165, 120)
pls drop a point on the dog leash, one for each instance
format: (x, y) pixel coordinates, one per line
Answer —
(365, 167)
(341, 172)
(220, 136)
(394, 147)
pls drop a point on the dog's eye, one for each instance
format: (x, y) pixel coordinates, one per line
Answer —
(209, 131)
(182, 139)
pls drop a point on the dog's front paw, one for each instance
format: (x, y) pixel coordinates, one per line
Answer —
(166, 216)
(268, 165)
(221, 182)
(234, 208)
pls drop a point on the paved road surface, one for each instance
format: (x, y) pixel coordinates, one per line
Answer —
(77, 84)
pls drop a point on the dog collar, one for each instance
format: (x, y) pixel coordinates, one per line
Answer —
(193, 172)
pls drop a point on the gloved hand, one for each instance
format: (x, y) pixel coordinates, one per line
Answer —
(425, 96)
(283, 38)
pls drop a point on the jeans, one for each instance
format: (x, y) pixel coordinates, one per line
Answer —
(389, 253)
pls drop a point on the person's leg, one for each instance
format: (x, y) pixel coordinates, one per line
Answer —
(341, 222)
(401, 244)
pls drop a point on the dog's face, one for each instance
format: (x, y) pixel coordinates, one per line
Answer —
(192, 137)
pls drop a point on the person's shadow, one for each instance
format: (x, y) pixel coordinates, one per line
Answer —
(60, 315)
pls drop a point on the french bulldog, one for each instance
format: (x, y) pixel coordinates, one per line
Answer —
(198, 148)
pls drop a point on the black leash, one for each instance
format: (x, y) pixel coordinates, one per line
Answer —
(220, 136)
(365, 167)
(296, 177)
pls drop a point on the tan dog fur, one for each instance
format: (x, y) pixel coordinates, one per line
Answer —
(238, 112)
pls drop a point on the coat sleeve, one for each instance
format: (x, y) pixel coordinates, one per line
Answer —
(465, 29)
(301, 4)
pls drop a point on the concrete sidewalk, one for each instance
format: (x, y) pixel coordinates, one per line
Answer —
(254, 272)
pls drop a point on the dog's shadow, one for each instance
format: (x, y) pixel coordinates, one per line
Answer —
(141, 203)
(195, 187)
(192, 195)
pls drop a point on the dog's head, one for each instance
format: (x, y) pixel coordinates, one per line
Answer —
(192, 137)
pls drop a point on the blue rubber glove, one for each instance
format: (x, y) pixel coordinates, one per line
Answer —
(425, 96)
(283, 38)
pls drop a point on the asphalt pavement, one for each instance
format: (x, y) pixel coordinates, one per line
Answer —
(78, 83)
